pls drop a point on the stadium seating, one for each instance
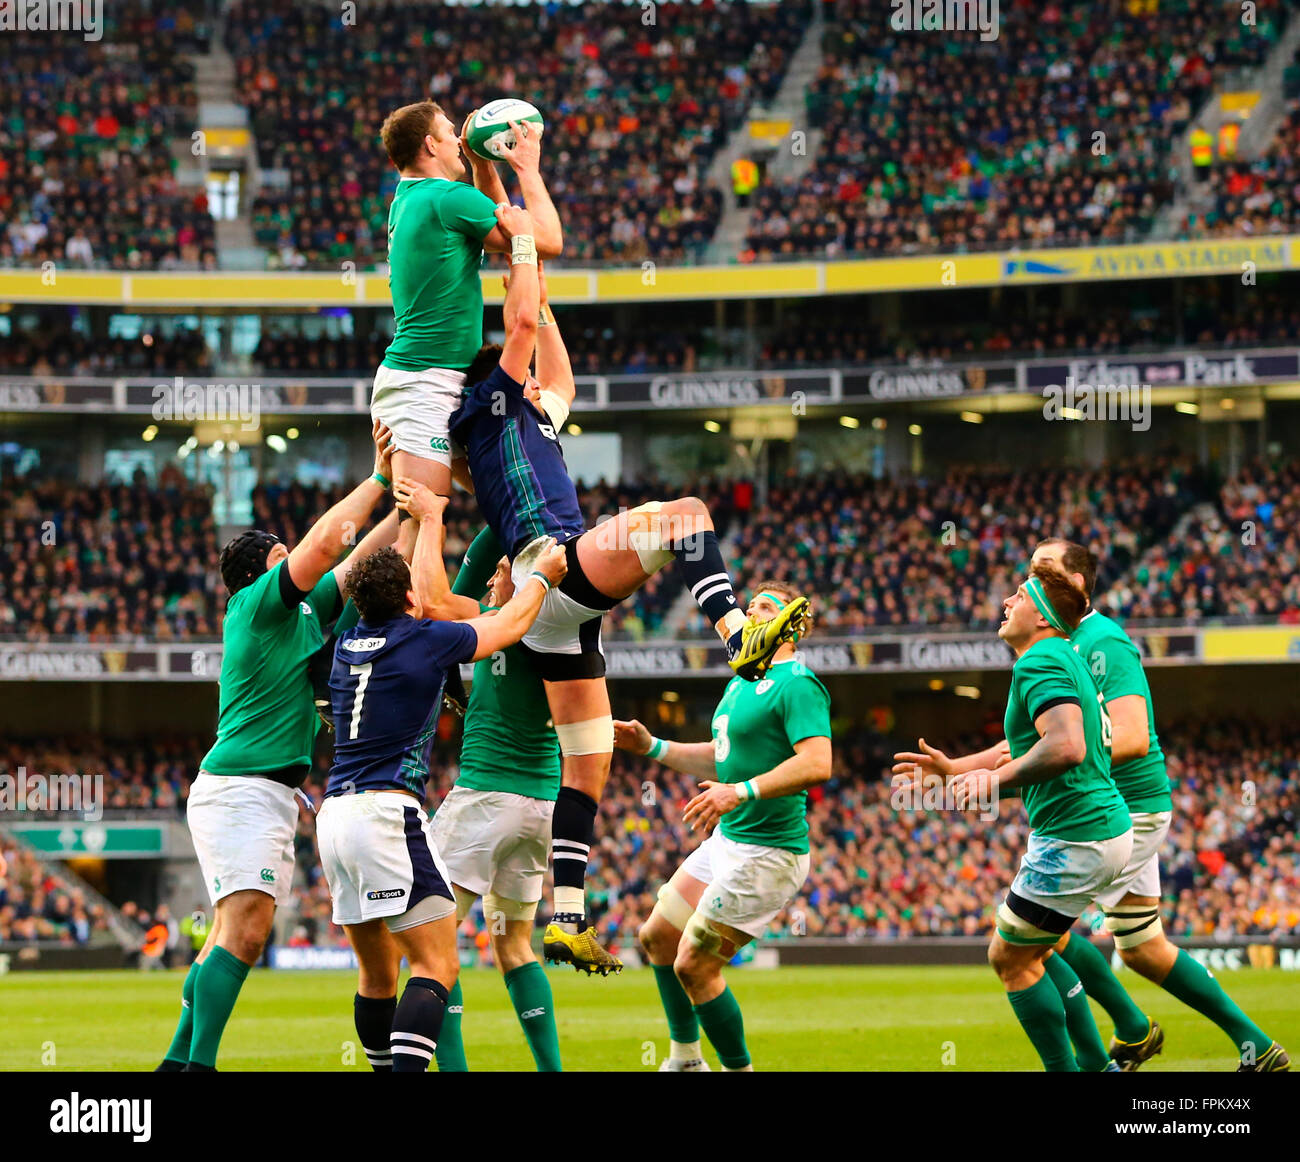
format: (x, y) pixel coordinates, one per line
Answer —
(949, 142)
(140, 562)
(86, 164)
(634, 113)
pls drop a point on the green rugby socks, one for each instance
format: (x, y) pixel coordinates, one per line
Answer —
(178, 1053)
(1100, 983)
(1088, 1048)
(1192, 984)
(1041, 1013)
(530, 993)
(683, 1025)
(451, 1046)
(216, 988)
(725, 1029)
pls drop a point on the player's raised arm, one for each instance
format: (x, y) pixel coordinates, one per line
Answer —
(380, 537)
(525, 158)
(554, 369)
(487, 178)
(688, 758)
(512, 620)
(327, 539)
(523, 295)
(428, 571)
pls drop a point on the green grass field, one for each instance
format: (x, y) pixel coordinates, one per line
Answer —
(795, 1019)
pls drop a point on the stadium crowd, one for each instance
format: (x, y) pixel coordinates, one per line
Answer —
(635, 112)
(879, 868)
(121, 562)
(87, 174)
(1058, 131)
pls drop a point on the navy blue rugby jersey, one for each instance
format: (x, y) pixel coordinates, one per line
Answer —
(521, 482)
(386, 695)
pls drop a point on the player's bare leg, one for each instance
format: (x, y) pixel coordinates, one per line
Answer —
(619, 555)
(1156, 957)
(243, 922)
(660, 937)
(378, 964)
(581, 713)
(430, 949)
(707, 945)
(434, 475)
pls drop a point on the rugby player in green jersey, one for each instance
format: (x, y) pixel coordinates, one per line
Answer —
(242, 810)
(1080, 834)
(438, 228)
(494, 827)
(771, 742)
(1132, 903)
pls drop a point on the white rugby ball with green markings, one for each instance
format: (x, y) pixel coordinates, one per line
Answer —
(489, 132)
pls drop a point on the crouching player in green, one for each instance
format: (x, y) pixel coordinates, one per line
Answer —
(1080, 834)
(494, 827)
(771, 742)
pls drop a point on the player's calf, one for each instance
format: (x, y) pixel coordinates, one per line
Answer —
(705, 947)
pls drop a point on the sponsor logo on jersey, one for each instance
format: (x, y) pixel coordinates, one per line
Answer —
(547, 431)
(362, 644)
(303, 607)
(387, 894)
(763, 687)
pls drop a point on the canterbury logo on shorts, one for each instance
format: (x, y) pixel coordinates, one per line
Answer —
(439, 444)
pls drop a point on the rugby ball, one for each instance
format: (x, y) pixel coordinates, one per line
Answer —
(489, 131)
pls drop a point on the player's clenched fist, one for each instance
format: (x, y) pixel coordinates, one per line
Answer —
(514, 221)
(421, 502)
(631, 736)
(552, 564)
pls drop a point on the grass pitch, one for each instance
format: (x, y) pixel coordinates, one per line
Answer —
(807, 1019)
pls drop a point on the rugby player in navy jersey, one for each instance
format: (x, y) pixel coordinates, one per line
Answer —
(507, 430)
(391, 892)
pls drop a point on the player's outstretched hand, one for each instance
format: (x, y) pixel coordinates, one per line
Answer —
(513, 220)
(384, 449)
(526, 153)
(631, 736)
(552, 564)
(710, 805)
(929, 761)
(418, 499)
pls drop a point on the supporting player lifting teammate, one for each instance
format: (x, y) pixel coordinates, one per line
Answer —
(391, 891)
(242, 811)
(771, 742)
(509, 428)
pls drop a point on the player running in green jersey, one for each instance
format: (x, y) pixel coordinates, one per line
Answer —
(1132, 902)
(494, 827)
(242, 810)
(438, 228)
(771, 742)
(1080, 835)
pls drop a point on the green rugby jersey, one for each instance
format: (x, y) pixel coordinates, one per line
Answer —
(1083, 804)
(509, 743)
(755, 728)
(266, 717)
(435, 247)
(1116, 668)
